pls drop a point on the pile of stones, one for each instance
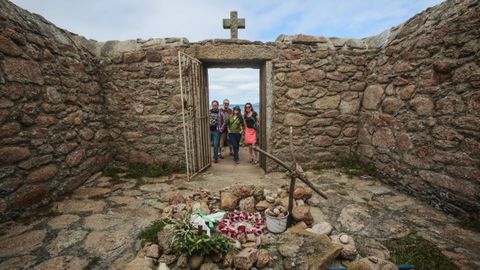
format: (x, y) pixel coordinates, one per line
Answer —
(307, 244)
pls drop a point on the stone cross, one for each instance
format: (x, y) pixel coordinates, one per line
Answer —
(234, 23)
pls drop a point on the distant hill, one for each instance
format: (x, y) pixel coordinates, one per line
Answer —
(256, 106)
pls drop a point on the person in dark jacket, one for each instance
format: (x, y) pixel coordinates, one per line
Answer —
(217, 123)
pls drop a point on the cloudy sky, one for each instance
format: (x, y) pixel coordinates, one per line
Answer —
(202, 19)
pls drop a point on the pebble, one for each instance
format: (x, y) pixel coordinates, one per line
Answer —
(322, 228)
(344, 239)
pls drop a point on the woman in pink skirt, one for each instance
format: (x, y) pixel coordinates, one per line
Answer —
(251, 125)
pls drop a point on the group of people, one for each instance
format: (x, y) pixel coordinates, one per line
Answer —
(227, 123)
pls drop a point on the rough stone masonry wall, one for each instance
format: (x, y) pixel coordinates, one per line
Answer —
(52, 136)
(420, 119)
(318, 86)
(141, 85)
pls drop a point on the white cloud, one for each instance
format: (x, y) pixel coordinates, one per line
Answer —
(238, 85)
(199, 20)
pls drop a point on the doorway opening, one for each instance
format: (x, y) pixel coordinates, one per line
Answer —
(194, 93)
(235, 87)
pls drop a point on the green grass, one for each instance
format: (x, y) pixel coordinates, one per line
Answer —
(354, 167)
(470, 224)
(113, 173)
(92, 263)
(423, 254)
(149, 233)
(137, 170)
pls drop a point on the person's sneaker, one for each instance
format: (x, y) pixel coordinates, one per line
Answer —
(220, 156)
(237, 162)
(215, 161)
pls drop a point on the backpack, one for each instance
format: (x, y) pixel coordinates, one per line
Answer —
(213, 119)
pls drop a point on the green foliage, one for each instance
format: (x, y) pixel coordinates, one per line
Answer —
(188, 239)
(415, 250)
(470, 224)
(353, 166)
(113, 173)
(149, 233)
(92, 263)
(137, 170)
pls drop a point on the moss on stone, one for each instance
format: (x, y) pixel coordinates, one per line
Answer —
(417, 251)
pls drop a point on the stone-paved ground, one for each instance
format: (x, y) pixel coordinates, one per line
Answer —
(100, 221)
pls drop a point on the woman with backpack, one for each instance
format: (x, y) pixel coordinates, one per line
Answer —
(235, 129)
(251, 125)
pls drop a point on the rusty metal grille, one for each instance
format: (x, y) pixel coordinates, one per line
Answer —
(195, 104)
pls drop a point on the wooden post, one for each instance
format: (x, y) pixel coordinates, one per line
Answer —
(292, 181)
(298, 175)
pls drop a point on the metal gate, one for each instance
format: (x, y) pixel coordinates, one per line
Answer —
(194, 93)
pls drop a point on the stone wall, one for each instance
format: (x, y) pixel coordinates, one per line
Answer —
(420, 116)
(52, 135)
(318, 86)
(406, 100)
(143, 102)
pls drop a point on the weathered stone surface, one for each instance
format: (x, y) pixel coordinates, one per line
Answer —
(30, 196)
(165, 238)
(245, 258)
(23, 71)
(42, 174)
(100, 222)
(152, 251)
(391, 105)
(228, 201)
(145, 263)
(371, 263)
(353, 217)
(372, 97)
(107, 243)
(314, 75)
(262, 205)
(322, 228)
(247, 204)
(8, 47)
(76, 157)
(302, 193)
(9, 130)
(316, 250)
(64, 240)
(360, 86)
(22, 244)
(327, 102)
(349, 107)
(295, 80)
(323, 141)
(62, 262)
(17, 262)
(195, 262)
(383, 138)
(12, 154)
(63, 221)
(449, 183)
(77, 206)
(422, 105)
(263, 259)
(35, 162)
(302, 213)
(349, 251)
(295, 120)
